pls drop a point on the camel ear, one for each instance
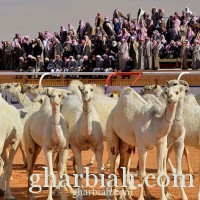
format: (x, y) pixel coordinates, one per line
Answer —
(80, 87)
(167, 83)
(94, 86)
(37, 86)
(182, 82)
(40, 101)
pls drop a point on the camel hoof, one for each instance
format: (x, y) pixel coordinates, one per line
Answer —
(8, 197)
(25, 165)
(1, 193)
(56, 193)
(89, 164)
(169, 196)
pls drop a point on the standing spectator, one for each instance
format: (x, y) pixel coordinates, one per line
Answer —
(175, 28)
(125, 34)
(140, 54)
(99, 45)
(123, 53)
(56, 35)
(98, 21)
(88, 30)
(148, 54)
(85, 49)
(133, 51)
(80, 30)
(116, 25)
(16, 53)
(7, 48)
(114, 49)
(56, 48)
(71, 31)
(67, 50)
(184, 54)
(76, 48)
(196, 55)
(155, 53)
(37, 48)
(25, 46)
(63, 34)
(183, 30)
(154, 14)
(108, 28)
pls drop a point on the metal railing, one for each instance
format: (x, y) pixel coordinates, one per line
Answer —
(109, 74)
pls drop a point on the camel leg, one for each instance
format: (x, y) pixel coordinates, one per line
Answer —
(92, 159)
(78, 159)
(99, 157)
(32, 152)
(62, 169)
(51, 177)
(186, 153)
(113, 146)
(23, 154)
(125, 153)
(142, 155)
(161, 159)
(173, 169)
(179, 148)
(198, 195)
(8, 169)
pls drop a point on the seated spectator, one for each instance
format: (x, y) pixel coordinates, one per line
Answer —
(99, 64)
(106, 64)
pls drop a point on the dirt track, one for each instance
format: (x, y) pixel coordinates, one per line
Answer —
(19, 184)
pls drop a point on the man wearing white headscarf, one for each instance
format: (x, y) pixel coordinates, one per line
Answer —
(123, 53)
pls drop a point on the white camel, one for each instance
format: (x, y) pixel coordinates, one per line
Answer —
(14, 89)
(11, 133)
(84, 128)
(136, 123)
(47, 129)
(161, 94)
(33, 89)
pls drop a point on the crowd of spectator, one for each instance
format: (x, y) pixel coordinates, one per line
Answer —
(120, 43)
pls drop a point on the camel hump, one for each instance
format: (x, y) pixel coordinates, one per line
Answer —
(132, 95)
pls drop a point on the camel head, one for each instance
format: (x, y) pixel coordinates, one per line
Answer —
(56, 95)
(151, 89)
(33, 89)
(40, 99)
(2, 87)
(87, 92)
(12, 88)
(175, 93)
(177, 82)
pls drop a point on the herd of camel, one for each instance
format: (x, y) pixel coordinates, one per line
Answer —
(82, 117)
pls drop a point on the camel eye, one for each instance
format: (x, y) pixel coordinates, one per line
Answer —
(176, 93)
(92, 90)
(175, 83)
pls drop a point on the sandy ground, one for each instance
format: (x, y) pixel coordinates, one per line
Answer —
(19, 184)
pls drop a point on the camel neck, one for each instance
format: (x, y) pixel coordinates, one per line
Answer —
(86, 118)
(22, 99)
(57, 133)
(170, 113)
(179, 110)
(55, 115)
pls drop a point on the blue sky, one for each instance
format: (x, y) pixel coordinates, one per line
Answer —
(30, 16)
